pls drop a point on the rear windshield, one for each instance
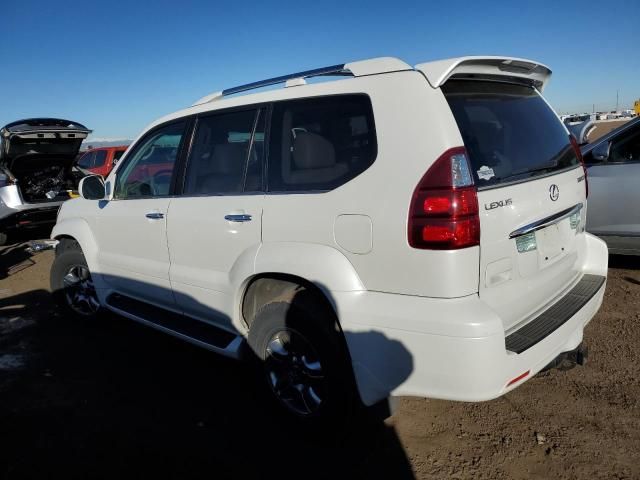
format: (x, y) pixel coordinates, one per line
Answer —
(509, 131)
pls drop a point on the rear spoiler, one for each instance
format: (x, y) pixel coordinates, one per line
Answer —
(518, 69)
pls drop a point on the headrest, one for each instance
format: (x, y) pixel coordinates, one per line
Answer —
(228, 159)
(311, 150)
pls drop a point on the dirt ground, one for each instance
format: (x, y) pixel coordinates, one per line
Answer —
(604, 127)
(113, 399)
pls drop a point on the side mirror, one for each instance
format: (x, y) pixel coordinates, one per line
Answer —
(601, 152)
(92, 187)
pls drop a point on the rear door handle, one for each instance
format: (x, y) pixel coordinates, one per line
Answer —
(155, 215)
(239, 217)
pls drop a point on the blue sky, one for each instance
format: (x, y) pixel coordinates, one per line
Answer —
(116, 66)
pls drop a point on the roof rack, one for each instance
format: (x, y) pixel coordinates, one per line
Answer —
(353, 69)
(316, 72)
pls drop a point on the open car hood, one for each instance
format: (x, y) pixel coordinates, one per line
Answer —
(35, 143)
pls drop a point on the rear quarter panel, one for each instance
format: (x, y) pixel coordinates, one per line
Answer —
(414, 125)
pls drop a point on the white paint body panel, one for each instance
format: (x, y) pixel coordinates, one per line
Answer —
(440, 71)
(417, 322)
(516, 284)
(205, 248)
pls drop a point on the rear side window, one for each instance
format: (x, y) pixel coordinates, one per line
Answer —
(509, 131)
(223, 159)
(321, 143)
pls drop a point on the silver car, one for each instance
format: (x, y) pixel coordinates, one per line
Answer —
(613, 164)
(36, 171)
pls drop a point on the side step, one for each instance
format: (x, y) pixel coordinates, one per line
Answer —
(194, 331)
(553, 318)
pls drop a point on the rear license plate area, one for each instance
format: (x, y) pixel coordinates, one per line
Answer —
(549, 242)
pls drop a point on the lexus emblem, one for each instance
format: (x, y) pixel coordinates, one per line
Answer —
(554, 192)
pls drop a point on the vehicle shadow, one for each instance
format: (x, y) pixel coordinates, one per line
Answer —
(15, 257)
(112, 398)
(628, 262)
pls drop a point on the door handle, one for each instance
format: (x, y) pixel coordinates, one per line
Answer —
(155, 215)
(239, 217)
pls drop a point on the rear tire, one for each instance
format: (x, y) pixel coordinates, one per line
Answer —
(301, 358)
(4, 238)
(71, 282)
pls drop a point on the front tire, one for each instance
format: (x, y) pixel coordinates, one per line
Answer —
(302, 358)
(71, 282)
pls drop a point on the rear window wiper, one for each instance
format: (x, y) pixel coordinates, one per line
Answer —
(528, 173)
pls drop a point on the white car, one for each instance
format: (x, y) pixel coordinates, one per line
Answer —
(396, 231)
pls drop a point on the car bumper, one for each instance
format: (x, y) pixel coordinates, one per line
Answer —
(27, 216)
(451, 349)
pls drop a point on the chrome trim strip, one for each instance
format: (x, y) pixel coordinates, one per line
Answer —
(545, 222)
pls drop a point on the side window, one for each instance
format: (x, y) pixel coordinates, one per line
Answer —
(223, 159)
(319, 144)
(149, 168)
(101, 157)
(626, 148)
(86, 161)
(118, 154)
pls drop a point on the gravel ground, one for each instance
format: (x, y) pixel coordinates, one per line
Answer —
(113, 399)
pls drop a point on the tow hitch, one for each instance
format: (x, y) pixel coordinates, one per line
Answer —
(568, 360)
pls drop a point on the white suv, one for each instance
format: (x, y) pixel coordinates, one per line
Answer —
(397, 231)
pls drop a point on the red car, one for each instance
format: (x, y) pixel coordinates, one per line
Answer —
(101, 160)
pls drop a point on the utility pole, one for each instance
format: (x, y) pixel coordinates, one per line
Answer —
(616, 101)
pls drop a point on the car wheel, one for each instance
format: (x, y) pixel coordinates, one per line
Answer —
(71, 282)
(3, 239)
(301, 357)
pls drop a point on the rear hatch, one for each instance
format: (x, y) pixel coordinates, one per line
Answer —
(39, 153)
(35, 143)
(531, 194)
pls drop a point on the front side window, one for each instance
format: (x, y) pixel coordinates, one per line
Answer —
(321, 143)
(626, 148)
(226, 156)
(149, 168)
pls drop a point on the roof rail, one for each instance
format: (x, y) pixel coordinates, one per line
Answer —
(354, 69)
(316, 72)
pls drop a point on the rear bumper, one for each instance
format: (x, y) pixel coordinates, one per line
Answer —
(453, 349)
(15, 214)
(11, 219)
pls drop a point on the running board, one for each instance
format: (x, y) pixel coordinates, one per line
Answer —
(194, 331)
(554, 317)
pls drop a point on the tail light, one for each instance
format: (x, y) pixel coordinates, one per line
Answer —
(576, 148)
(5, 180)
(444, 208)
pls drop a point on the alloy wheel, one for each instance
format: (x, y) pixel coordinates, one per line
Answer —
(80, 293)
(295, 373)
